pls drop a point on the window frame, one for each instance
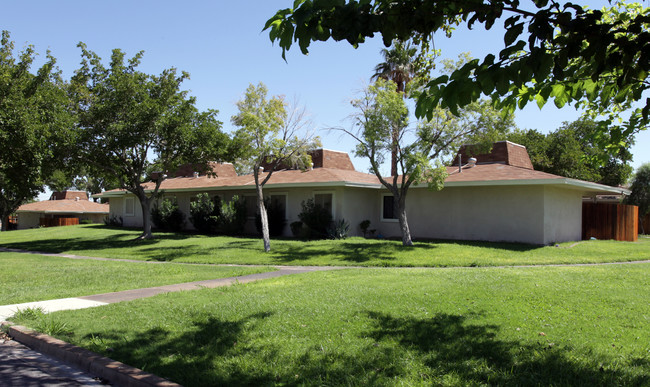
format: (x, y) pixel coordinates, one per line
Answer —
(246, 195)
(381, 209)
(333, 193)
(286, 202)
(126, 199)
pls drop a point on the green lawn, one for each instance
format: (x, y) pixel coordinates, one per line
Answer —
(100, 241)
(30, 277)
(456, 326)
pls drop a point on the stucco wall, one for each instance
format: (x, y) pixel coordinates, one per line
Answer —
(33, 219)
(528, 214)
(506, 213)
(562, 215)
(28, 220)
(295, 197)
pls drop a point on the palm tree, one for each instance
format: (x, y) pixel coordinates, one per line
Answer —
(399, 67)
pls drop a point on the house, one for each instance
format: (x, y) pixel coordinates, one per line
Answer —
(63, 208)
(500, 197)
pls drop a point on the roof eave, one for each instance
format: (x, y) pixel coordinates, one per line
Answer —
(114, 194)
(567, 182)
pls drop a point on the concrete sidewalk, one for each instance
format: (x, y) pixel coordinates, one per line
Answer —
(21, 366)
(24, 367)
(7, 311)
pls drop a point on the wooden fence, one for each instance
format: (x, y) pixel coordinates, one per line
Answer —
(610, 221)
(55, 222)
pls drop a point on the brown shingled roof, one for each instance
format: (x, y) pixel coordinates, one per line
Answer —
(494, 172)
(69, 195)
(65, 206)
(502, 152)
(506, 162)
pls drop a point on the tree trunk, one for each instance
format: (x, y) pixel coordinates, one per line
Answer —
(145, 203)
(5, 222)
(400, 204)
(264, 218)
(393, 159)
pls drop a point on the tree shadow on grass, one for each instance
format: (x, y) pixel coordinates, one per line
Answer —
(379, 253)
(187, 358)
(124, 240)
(445, 349)
(472, 353)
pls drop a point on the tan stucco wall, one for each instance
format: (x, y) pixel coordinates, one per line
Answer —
(528, 214)
(295, 197)
(28, 220)
(507, 213)
(33, 219)
(562, 215)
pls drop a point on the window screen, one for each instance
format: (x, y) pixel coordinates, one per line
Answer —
(389, 208)
(324, 200)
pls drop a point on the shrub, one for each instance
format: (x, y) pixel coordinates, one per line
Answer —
(167, 216)
(204, 213)
(316, 218)
(338, 230)
(275, 213)
(85, 221)
(296, 227)
(114, 220)
(364, 228)
(233, 216)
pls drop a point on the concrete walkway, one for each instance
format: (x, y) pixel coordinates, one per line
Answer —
(21, 366)
(7, 311)
(24, 367)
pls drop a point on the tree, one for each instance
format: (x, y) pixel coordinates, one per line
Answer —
(399, 66)
(571, 151)
(59, 181)
(134, 126)
(381, 109)
(640, 195)
(269, 136)
(560, 51)
(34, 126)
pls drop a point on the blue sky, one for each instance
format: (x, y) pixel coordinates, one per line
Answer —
(222, 46)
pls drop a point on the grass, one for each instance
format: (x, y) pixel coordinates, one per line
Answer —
(101, 241)
(448, 327)
(31, 277)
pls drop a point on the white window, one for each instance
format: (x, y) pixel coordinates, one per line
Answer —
(388, 208)
(325, 200)
(129, 206)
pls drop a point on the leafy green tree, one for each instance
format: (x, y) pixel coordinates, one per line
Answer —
(640, 195)
(34, 126)
(381, 109)
(536, 144)
(59, 181)
(553, 50)
(399, 66)
(94, 184)
(269, 136)
(134, 126)
(572, 152)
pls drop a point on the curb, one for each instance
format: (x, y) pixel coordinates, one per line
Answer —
(113, 371)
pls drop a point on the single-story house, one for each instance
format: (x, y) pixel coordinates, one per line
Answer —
(500, 197)
(62, 205)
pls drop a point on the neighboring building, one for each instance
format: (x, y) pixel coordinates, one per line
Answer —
(67, 205)
(500, 198)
